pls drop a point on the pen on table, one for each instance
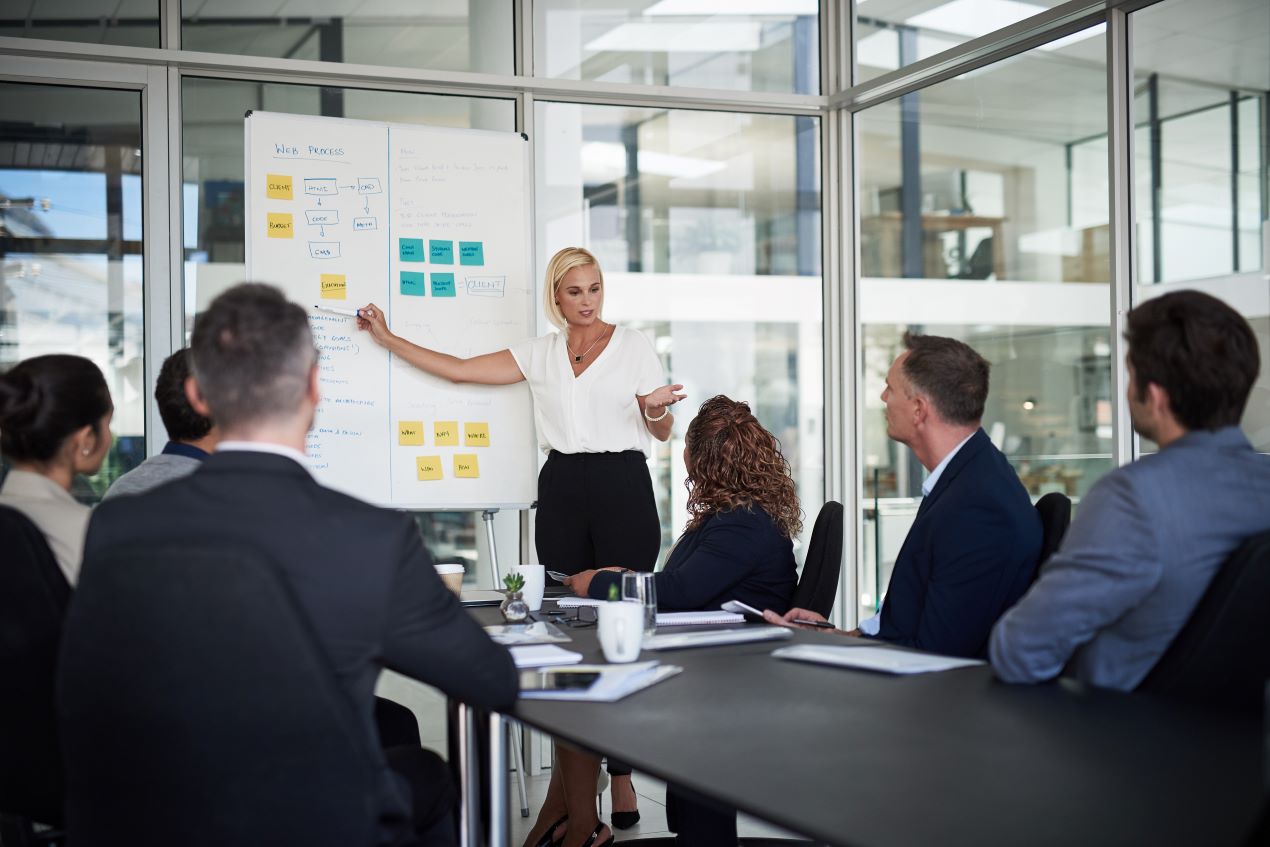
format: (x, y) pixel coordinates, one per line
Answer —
(820, 624)
(348, 313)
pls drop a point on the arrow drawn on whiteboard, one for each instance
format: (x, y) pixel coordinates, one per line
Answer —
(322, 231)
(319, 201)
(366, 208)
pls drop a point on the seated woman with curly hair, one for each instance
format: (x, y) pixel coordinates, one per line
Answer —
(737, 545)
(743, 511)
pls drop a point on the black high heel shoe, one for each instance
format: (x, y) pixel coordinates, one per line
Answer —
(625, 820)
(595, 833)
(547, 839)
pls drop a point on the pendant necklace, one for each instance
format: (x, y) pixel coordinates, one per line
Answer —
(578, 357)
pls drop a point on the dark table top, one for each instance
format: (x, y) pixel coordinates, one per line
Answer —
(856, 758)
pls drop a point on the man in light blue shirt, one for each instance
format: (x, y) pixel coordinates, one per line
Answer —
(1150, 536)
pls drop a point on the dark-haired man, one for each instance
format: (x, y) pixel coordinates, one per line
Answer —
(973, 547)
(191, 436)
(1151, 535)
(360, 574)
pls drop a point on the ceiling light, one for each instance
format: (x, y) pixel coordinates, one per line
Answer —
(606, 156)
(735, 8)
(714, 36)
(973, 18)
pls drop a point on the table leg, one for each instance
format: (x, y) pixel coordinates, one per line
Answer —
(498, 781)
(469, 778)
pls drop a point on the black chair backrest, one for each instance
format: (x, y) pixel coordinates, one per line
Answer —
(1222, 654)
(197, 708)
(1056, 515)
(818, 587)
(33, 599)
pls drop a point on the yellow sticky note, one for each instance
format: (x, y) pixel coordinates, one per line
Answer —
(410, 433)
(278, 186)
(465, 466)
(476, 434)
(428, 467)
(445, 433)
(280, 225)
(334, 287)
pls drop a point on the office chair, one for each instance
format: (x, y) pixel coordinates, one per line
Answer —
(33, 599)
(818, 587)
(194, 699)
(1222, 654)
(1056, 515)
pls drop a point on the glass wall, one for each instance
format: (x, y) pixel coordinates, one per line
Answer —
(708, 227)
(133, 23)
(1202, 79)
(467, 35)
(71, 245)
(984, 216)
(757, 45)
(891, 34)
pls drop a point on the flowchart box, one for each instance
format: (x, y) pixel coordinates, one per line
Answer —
(324, 249)
(322, 217)
(363, 224)
(369, 185)
(486, 286)
(321, 186)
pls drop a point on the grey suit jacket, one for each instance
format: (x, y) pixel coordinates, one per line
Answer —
(1144, 546)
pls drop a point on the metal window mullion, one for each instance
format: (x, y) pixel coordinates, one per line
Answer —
(170, 24)
(1120, 179)
(523, 33)
(156, 233)
(848, 428)
(176, 210)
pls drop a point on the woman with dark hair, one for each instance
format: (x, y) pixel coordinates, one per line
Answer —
(54, 423)
(737, 545)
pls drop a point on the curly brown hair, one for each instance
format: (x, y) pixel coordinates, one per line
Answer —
(733, 462)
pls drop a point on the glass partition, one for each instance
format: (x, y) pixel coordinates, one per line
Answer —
(132, 24)
(1202, 82)
(71, 246)
(707, 225)
(984, 216)
(468, 35)
(756, 45)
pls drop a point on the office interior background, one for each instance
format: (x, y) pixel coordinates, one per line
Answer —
(776, 189)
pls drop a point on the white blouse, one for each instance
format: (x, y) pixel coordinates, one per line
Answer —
(595, 412)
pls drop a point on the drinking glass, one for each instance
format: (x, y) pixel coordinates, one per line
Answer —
(639, 587)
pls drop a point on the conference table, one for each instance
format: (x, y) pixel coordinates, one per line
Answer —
(951, 758)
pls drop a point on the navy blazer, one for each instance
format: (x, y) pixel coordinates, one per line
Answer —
(737, 555)
(968, 557)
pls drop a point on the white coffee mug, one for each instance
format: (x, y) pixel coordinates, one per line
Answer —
(535, 583)
(621, 629)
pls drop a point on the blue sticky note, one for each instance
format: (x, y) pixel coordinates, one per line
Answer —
(410, 249)
(442, 252)
(412, 283)
(443, 285)
(471, 253)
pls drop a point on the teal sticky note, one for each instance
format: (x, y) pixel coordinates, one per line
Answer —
(410, 249)
(412, 283)
(443, 285)
(471, 253)
(442, 252)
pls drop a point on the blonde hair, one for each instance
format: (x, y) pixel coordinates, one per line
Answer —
(564, 261)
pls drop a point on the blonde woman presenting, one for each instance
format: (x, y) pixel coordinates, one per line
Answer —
(599, 394)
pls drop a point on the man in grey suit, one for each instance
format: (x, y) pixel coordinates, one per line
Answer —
(1150, 536)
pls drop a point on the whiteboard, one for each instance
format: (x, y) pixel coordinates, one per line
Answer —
(432, 225)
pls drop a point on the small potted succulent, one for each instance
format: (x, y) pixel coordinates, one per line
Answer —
(514, 607)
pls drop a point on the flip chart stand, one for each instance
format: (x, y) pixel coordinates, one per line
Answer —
(488, 517)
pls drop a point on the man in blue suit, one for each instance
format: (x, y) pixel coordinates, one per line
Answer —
(1151, 535)
(973, 547)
